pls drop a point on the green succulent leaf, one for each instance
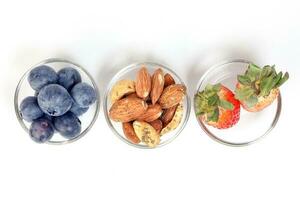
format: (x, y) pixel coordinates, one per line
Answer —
(226, 104)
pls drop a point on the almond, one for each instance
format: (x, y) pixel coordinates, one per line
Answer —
(157, 85)
(153, 112)
(127, 109)
(146, 133)
(143, 83)
(132, 95)
(172, 95)
(121, 88)
(157, 125)
(169, 80)
(129, 133)
(168, 115)
(175, 121)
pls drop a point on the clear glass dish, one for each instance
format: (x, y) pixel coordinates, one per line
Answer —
(87, 120)
(251, 126)
(130, 72)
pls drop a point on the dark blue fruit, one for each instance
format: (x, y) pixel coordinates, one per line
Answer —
(42, 76)
(68, 125)
(48, 117)
(83, 94)
(77, 110)
(68, 77)
(54, 100)
(41, 130)
(29, 109)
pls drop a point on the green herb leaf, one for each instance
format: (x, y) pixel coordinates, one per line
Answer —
(226, 104)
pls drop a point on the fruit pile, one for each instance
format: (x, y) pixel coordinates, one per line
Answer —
(219, 107)
(148, 107)
(60, 98)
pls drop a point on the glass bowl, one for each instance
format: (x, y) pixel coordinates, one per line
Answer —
(251, 126)
(130, 72)
(87, 119)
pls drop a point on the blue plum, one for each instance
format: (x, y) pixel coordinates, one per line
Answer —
(83, 94)
(42, 76)
(68, 77)
(77, 110)
(41, 130)
(54, 100)
(29, 109)
(68, 125)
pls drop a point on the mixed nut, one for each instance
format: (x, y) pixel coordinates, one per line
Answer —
(148, 107)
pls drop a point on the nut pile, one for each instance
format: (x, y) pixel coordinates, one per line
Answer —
(148, 107)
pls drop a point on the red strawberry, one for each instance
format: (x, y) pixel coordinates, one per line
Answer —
(217, 107)
(259, 87)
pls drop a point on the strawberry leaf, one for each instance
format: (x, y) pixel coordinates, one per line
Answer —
(277, 78)
(213, 100)
(283, 79)
(225, 104)
(251, 101)
(266, 86)
(253, 72)
(214, 115)
(244, 93)
(266, 71)
(245, 80)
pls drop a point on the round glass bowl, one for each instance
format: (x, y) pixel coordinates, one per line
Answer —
(251, 126)
(24, 90)
(130, 72)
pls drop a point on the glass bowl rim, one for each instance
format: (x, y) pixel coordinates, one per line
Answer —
(74, 65)
(115, 78)
(213, 136)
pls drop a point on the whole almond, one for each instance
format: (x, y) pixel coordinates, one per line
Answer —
(127, 109)
(129, 133)
(168, 115)
(132, 95)
(172, 95)
(157, 125)
(153, 112)
(143, 83)
(169, 80)
(157, 85)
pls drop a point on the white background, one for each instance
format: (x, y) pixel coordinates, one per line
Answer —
(189, 37)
